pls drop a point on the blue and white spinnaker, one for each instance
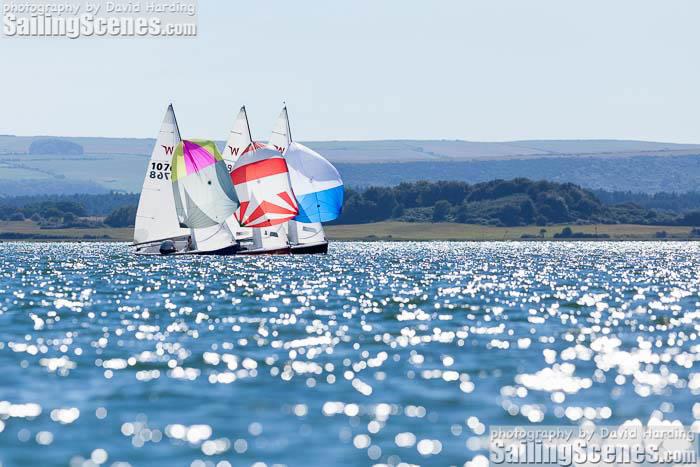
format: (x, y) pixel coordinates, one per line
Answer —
(316, 183)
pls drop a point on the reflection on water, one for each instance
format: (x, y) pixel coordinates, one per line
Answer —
(380, 353)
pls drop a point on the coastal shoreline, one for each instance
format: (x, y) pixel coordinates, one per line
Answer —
(23, 231)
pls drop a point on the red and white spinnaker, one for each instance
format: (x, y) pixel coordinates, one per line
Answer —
(260, 177)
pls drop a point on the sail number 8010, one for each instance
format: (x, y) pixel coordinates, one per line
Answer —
(160, 170)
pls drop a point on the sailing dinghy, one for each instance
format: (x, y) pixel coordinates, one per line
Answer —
(204, 195)
(168, 219)
(156, 220)
(260, 177)
(317, 187)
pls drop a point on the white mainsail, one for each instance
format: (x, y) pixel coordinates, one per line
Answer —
(238, 140)
(281, 133)
(299, 233)
(156, 218)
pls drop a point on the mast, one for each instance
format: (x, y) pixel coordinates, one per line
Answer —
(247, 122)
(177, 127)
(291, 225)
(289, 129)
(179, 138)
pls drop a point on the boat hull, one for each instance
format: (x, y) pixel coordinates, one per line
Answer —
(228, 251)
(181, 247)
(313, 249)
(320, 248)
(276, 251)
(233, 250)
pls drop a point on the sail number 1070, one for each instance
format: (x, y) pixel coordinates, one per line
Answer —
(159, 171)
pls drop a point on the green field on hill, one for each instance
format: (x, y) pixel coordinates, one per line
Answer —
(119, 163)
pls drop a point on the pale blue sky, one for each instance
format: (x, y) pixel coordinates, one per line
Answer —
(485, 70)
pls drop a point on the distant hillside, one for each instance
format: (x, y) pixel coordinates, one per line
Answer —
(400, 150)
(119, 163)
(20, 144)
(55, 146)
(647, 174)
(453, 151)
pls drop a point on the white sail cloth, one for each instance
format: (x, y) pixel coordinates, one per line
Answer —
(212, 238)
(281, 136)
(238, 141)
(156, 218)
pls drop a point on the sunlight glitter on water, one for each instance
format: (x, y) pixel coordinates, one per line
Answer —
(379, 353)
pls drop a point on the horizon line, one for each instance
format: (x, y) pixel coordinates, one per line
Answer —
(444, 139)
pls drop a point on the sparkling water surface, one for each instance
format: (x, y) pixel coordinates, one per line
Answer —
(379, 353)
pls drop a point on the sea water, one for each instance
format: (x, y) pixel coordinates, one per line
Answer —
(378, 353)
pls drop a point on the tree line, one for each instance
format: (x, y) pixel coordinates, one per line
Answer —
(78, 210)
(674, 202)
(513, 202)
